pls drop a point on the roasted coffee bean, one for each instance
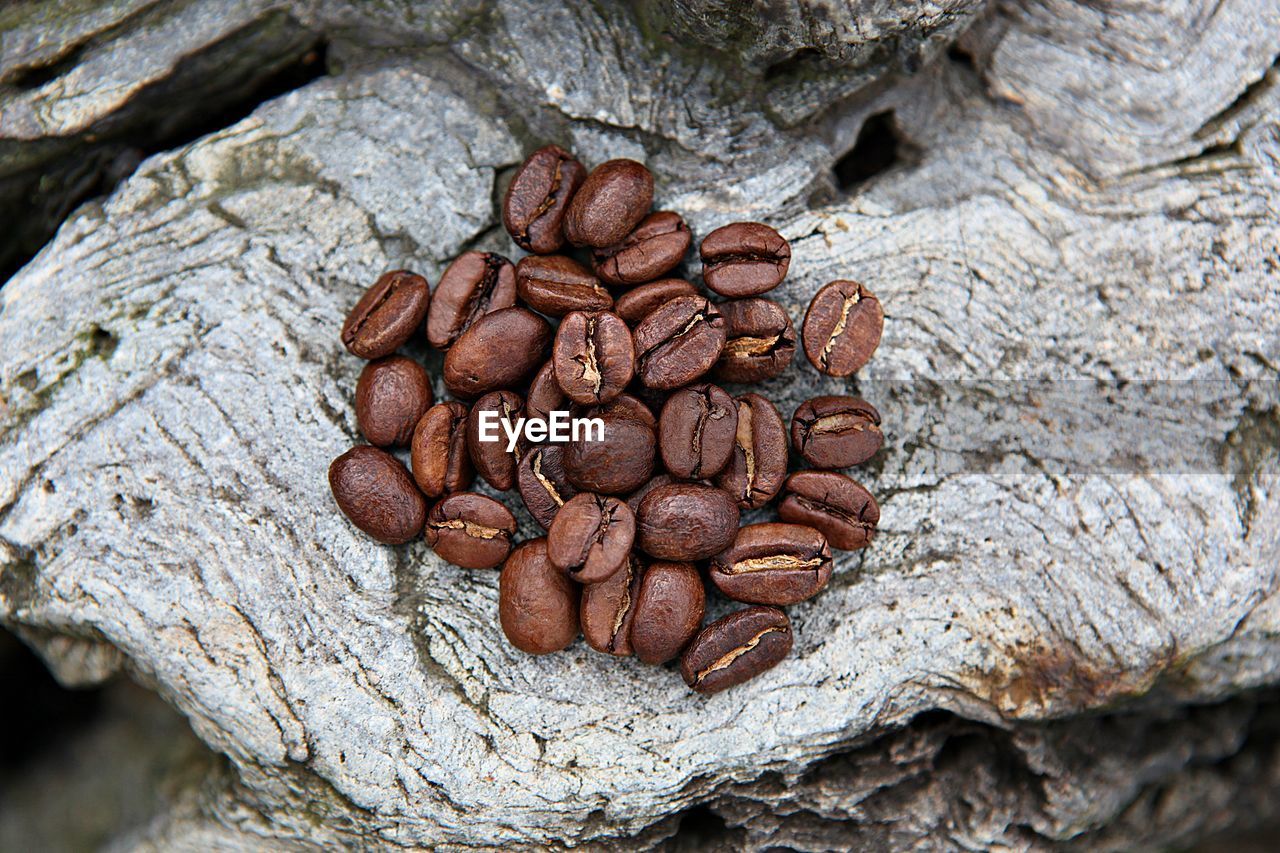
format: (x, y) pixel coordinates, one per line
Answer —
(609, 204)
(696, 431)
(441, 463)
(544, 488)
(668, 611)
(607, 608)
(636, 304)
(545, 394)
(556, 285)
(624, 406)
(498, 351)
(836, 432)
(686, 522)
(759, 341)
(594, 356)
(623, 460)
(391, 395)
(773, 563)
(842, 328)
(759, 462)
(736, 648)
(537, 603)
(471, 530)
(678, 342)
(633, 500)
(655, 247)
(744, 259)
(837, 506)
(374, 490)
(387, 315)
(534, 206)
(591, 537)
(474, 285)
(491, 459)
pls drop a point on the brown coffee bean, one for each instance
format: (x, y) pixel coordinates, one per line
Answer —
(610, 203)
(491, 459)
(537, 603)
(842, 328)
(686, 522)
(391, 396)
(534, 206)
(678, 342)
(470, 530)
(759, 341)
(545, 394)
(556, 285)
(544, 488)
(696, 431)
(607, 608)
(374, 490)
(591, 537)
(736, 648)
(773, 563)
(759, 462)
(636, 304)
(744, 259)
(834, 504)
(633, 500)
(623, 460)
(474, 285)
(441, 463)
(668, 611)
(836, 432)
(387, 314)
(657, 245)
(498, 351)
(594, 356)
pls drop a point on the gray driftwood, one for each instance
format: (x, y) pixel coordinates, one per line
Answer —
(1083, 192)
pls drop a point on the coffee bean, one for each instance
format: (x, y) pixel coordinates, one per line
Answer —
(842, 328)
(387, 315)
(623, 460)
(686, 522)
(736, 648)
(441, 463)
(594, 356)
(391, 395)
(633, 500)
(609, 204)
(470, 530)
(591, 537)
(537, 603)
(659, 242)
(759, 462)
(474, 285)
(375, 491)
(760, 341)
(636, 304)
(607, 608)
(836, 432)
(744, 259)
(544, 488)
(534, 206)
(491, 459)
(773, 563)
(556, 285)
(545, 394)
(668, 611)
(678, 342)
(832, 503)
(696, 431)
(498, 351)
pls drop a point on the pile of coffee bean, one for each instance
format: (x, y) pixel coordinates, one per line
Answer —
(639, 514)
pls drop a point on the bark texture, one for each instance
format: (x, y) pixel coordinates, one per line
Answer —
(1080, 195)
